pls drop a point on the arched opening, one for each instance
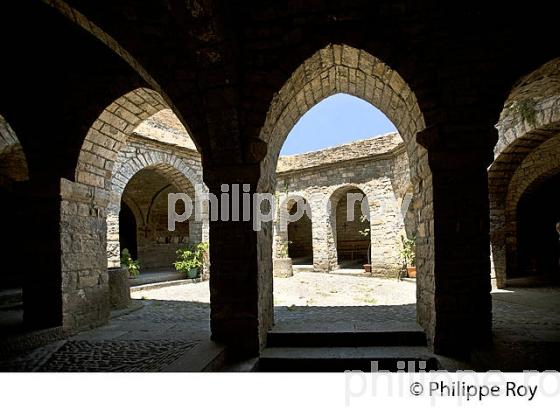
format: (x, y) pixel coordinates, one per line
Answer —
(352, 228)
(146, 194)
(374, 167)
(524, 190)
(13, 171)
(528, 146)
(300, 236)
(538, 242)
(128, 231)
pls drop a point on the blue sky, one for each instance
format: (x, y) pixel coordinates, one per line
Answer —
(336, 120)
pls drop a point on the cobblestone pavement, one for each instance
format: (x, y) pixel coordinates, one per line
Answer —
(175, 319)
(147, 339)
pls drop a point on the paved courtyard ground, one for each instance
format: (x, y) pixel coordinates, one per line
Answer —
(307, 289)
(173, 320)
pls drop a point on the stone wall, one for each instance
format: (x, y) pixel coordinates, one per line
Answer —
(146, 193)
(176, 164)
(377, 168)
(83, 227)
(112, 153)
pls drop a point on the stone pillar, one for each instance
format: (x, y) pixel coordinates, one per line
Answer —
(38, 222)
(386, 224)
(119, 288)
(83, 253)
(241, 262)
(458, 295)
(324, 239)
(113, 240)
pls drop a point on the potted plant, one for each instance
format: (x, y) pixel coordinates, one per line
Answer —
(407, 252)
(133, 266)
(190, 259)
(365, 232)
(283, 263)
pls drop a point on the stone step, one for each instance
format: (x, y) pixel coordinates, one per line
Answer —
(302, 268)
(403, 337)
(329, 359)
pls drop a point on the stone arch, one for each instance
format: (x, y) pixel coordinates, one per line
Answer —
(130, 218)
(109, 133)
(13, 163)
(86, 24)
(530, 118)
(344, 69)
(539, 166)
(174, 169)
(341, 69)
(13, 169)
(282, 224)
(338, 202)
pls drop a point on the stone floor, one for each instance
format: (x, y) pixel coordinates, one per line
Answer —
(155, 276)
(174, 321)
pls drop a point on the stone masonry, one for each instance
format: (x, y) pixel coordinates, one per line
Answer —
(527, 151)
(377, 168)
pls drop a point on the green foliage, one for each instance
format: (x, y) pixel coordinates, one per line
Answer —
(407, 250)
(191, 257)
(365, 232)
(133, 266)
(283, 249)
(525, 109)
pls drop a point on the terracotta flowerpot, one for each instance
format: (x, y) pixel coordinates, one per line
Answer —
(367, 267)
(411, 271)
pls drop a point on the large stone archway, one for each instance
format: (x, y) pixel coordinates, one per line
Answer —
(187, 179)
(343, 69)
(528, 123)
(13, 170)
(89, 202)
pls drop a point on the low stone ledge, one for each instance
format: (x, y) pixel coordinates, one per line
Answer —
(119, 288)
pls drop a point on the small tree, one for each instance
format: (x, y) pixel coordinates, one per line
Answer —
(191, 257)
(407, 250)
(365, 232)
(133, 266)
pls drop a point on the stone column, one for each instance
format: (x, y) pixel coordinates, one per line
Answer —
(324, 241)
(113, 239)
(83, 253)
(37, 221)
(386, 224)
(457, 297)
(63, 256)
(241, 263)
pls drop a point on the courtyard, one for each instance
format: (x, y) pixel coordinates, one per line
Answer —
(169, 323)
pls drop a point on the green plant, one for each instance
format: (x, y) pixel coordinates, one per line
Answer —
(407, 250)
(365, 232)
(191, 257)
(283, 249)
(131, 265)
(525, 109)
